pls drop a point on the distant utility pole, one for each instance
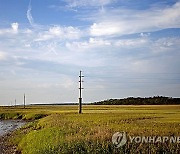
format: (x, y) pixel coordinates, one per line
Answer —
(80, 92)
(15, 102)
(24, 101)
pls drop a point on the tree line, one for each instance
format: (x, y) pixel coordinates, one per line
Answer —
(156, 100)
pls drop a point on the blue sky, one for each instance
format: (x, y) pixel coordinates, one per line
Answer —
(124, 48)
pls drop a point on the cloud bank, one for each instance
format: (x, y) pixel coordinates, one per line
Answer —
(122, 22)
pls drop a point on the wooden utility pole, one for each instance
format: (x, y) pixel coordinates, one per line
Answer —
(24, 101)
(15, 103)
(80, 92)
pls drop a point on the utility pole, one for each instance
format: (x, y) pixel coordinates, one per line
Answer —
(15, 103)
(24, 100)
(80, 91)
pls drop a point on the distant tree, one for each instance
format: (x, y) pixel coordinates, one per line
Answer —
(156, 100)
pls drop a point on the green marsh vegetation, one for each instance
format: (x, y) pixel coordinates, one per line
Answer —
(60, 129)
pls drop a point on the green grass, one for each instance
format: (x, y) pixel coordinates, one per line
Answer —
(61, 130)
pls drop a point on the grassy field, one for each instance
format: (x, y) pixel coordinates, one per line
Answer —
(60, 129)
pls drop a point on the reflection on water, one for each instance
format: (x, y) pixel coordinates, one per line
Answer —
(7, 126)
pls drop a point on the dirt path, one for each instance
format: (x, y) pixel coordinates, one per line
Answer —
(5, 148)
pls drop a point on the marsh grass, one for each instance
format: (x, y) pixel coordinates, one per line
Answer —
(61, 130)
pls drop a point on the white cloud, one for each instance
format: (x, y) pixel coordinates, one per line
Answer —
(120, 22)
(12, 30)
(131, 42)
(15, 27)
(99, 42)
(88, 3)
(145, 34)
(165, 45)
(105, 28)
(58, 32)
(87, 45)
(96, 43)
